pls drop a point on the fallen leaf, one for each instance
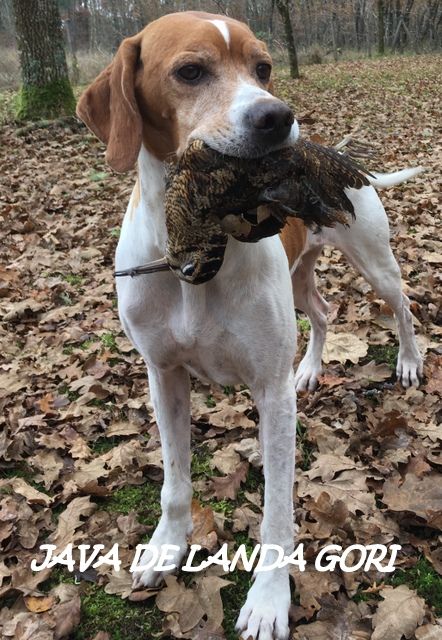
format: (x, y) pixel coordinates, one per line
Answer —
(340, 347)
(175, 597)
(39, 604)
(203, 532)
(429, 632)
(226, 459)
(421, 496)
(398, 615)
(228, 486)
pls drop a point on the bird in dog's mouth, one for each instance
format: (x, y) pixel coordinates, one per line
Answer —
(210, 196)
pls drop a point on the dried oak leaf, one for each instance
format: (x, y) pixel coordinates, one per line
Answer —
(244, 518)
(37, 604)
(311, 585)
(422, 496)
(176, 598)
(338, 619)
(340, 347)
(203, 532)
(228, 486)
(66, 614)
(429, 632)
(350, 487)
(71, 519)
(25, 580)
(226, 459)
(398, 615)
(120, 583)
(327, 465)
(208, 590)
(32, 496)
(329, 515)
(371, 372)
(229, 415)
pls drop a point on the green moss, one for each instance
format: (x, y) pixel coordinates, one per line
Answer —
(233, 597)
(144, 499)
(51, 101)
(200, 465)
(254, 480)
(243, 538)
(65, 390)
(210, 401)
(122, 619)
(65, 299)
(108, 341)
(303, 325)
(361, 596)
(228, 390)
(383, 353)
(103, 445)
(223, 506)
(73, 279)
(304, 446)
(115, 232)
(98, 176)
(425, 580)
(58, 575)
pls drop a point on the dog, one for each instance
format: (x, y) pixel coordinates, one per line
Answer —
(194, 75)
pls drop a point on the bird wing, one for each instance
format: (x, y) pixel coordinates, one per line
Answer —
(329, 173)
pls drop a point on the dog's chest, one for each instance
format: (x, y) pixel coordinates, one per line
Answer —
(203, 336)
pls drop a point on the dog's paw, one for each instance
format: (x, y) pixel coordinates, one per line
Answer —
(264, 615)
(164, 540)
(306, 376)
(409, 370)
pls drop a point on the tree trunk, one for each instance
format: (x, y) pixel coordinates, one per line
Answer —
(381, 27)
(71, 34)
(46, 91)
(283, 7)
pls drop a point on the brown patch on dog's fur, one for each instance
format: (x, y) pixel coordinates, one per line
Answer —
(293, 238)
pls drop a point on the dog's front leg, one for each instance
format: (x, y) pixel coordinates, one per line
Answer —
(265, 613)
(170, 393)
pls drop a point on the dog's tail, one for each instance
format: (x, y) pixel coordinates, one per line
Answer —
(386, 180)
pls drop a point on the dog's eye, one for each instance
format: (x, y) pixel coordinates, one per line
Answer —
(263, 71)
(190, 73)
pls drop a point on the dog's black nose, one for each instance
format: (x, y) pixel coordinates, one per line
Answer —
(270, 120)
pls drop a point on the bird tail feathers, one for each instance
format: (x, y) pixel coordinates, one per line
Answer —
(386, 180)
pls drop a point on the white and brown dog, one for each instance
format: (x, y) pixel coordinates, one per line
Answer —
(200, 76)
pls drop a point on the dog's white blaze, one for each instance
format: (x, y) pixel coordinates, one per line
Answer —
(245, 94)
(223, 29)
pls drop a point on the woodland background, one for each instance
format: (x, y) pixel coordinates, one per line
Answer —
(80, 457)
(322, 30)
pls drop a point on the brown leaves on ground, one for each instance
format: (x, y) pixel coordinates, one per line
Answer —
(398, 615)
(76, 422)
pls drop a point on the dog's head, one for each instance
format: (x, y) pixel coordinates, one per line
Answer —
(187, 76)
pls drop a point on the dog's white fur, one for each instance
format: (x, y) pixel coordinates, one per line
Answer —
(366, 244)
(241, 328)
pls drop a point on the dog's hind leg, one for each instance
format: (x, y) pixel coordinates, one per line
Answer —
(308, 299)
(170, 393)
(366, 244)
(265, 613)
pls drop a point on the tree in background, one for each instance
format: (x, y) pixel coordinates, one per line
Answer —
(381, 28)
(283, 7)
(46, 91)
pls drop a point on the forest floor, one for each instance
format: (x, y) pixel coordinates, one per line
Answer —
(79, 447)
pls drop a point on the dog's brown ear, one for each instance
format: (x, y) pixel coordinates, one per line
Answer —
(109, 108)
